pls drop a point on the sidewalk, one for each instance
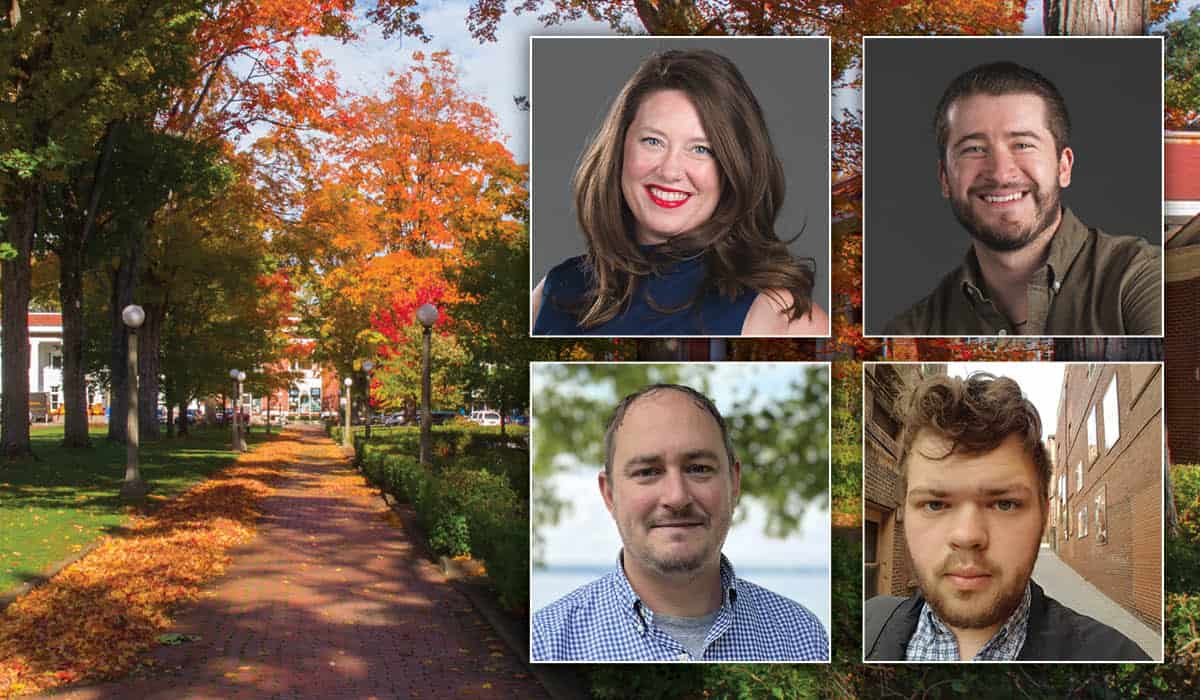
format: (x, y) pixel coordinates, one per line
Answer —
(329, 601)
(1072, 590)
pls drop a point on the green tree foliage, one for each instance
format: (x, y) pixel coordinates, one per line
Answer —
(76, 68)
(397, 379)
(1181, 67)
(494, 284)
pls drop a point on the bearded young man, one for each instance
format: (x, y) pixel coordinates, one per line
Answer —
(1033, 267)
(976, 478)
(670, 481)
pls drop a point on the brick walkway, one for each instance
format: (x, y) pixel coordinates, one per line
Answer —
(329, 601)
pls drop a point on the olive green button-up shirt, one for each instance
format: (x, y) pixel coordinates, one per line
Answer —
(1091, 284)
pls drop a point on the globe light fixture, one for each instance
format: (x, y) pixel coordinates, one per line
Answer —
(427, 315)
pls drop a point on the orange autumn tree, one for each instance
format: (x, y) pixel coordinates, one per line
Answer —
(407, 179)
(251, 69)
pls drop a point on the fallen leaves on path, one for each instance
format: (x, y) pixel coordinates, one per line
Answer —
(96, 617)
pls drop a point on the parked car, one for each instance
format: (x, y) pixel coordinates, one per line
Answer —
(489, 418)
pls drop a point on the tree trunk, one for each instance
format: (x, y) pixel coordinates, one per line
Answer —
(170, 419)
(74, 383)
(149, 337)
(71, 256)
(183, 417)
(14, 317)
(124, 281)
(1089, 18)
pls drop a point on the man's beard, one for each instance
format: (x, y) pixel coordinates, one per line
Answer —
(684, 562)
(1004, 240)
(948, 604)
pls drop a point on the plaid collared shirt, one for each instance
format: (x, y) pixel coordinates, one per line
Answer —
(606, 621)
(933, 641)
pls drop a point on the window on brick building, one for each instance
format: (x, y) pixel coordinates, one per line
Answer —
(1112, 417)
(1081, 528)
(1078, 476)
(1101, 517)
(1093, 442)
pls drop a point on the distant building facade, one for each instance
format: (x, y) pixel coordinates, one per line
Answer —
(46, 363)
(887, 570)
(1106, 490)
(1181, 166)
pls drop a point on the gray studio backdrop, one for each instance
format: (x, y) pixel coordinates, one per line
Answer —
(575, 80)
(1113, 89)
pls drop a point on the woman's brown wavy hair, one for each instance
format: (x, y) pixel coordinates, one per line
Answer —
(739, 242)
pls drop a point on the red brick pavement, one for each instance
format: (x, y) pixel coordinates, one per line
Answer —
(332, 601)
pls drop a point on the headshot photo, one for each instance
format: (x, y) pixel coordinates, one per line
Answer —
(1013, 512)
(1012, 186)
(682, 189)
(680, 512)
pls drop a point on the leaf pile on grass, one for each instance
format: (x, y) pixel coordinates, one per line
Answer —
(95, 618)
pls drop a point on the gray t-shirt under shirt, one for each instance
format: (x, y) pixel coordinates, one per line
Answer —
(690, 632)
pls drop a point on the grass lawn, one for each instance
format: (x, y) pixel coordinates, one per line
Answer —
(58, 503)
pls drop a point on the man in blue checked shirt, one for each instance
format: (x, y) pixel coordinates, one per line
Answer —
(670, 481)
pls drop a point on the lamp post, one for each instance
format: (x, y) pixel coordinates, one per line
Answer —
(133, 487)
(347, 441)
(427, 315)
(367, 367)
(234, 440)
(241, 433)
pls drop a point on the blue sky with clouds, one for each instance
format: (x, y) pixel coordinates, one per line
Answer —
(493, 72)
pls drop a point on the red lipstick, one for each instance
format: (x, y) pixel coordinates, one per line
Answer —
(666, 203)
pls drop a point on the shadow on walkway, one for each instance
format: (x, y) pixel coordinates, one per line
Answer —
(330, 600)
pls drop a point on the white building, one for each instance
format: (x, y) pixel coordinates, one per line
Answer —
(46, 360)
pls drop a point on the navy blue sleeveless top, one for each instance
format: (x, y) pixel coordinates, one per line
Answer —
(711, 314)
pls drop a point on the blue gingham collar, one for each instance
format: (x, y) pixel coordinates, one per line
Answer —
(632, 603)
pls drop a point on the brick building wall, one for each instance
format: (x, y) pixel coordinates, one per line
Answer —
(1113, 487)
(1182, 353)
(882, 496)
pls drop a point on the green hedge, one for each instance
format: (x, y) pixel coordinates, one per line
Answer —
(465, 510)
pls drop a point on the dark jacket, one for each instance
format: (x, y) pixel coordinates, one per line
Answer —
(1055, 632)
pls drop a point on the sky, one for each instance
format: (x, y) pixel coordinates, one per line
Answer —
(496, 72)
(493, 72)
(1041, 382)
(587, 535)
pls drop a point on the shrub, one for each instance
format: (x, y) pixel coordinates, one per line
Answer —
(473, 501)
(505, 549)
(450, 536)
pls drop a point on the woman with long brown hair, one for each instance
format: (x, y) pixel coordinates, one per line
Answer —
(677, 196)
